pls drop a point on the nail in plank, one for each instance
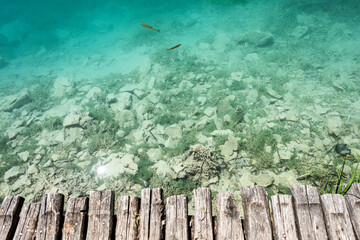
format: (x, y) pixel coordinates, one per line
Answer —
(128, 218)
(50, 217)
(26, 228)
(75, 219)
(308, 213)
(9, 216)
(229, 224)
(257, 214)
(337, 217)
(101, 215)
(284, 217)
(177, 226)
(203, 215)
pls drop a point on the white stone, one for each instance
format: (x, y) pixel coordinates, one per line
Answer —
(13, 172)
(231, 145)
(71, 120)
(334, 125)
(154, 154)
(284, 154)
(162, 168)
(174, 131)
(32, 169)
(62, 86)
(209, 111)
(236, 76)
(300, 31)
(119, 165)
(24, 155)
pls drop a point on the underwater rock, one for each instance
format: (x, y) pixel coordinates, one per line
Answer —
(23, 181)
(228, 150)
(154, 154)
(174, 131)
(223, 108)
(300, 31)
(334, 125)
(62, 86)
(265, 179)
(111, 98)
(125, 118)
(284, 154)
(342, 149)
(252, 57)
(24, 155)
(51, 138)
(13, 172)
(120, 164)
(71, 120)
(12, 102)
(162, 168)
(257, 38)
(123, 102)
(32, 169)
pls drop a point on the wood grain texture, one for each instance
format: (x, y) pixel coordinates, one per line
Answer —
(127, 225)
(9, 216)
(308, 213)
(203, 229)
(257, 220)
(50, 217)
(101, 215)
(75, 219)
(151, 214)
(229, 226)
(337, 218)
(177, 218)
(352, 198)
(283, 217)
(26, 228)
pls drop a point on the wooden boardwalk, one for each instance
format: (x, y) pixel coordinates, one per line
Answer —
(303, 215)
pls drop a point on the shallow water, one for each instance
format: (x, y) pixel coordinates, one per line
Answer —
(259, 92)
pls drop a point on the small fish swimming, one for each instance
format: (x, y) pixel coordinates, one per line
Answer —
(176, 46)
(149, 27)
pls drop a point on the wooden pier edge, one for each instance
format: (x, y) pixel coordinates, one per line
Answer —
(303, 215)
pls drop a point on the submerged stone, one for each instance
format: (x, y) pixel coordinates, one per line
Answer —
(13, 172)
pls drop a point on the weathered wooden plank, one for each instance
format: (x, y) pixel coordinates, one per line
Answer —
(177, 218)
(75, 219)
(229, 226)
(145, 214)
(352, 198)
(26, 228)
(128, 217)
(156, 214)
(337, 218)
(283, 217)
(257, 220)
(308, 213)
(50, 217)
(9, 216)
(101, 215)
(203, 229)
(151, 214)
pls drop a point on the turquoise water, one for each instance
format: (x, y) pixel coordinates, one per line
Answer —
(258, 92)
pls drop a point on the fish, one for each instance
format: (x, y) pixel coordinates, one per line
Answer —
(176, 46)
(149, 27)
